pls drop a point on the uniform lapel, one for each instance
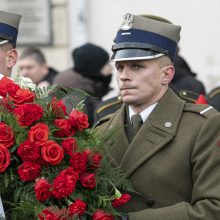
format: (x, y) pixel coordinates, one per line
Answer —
(118, 142)
(155, 133)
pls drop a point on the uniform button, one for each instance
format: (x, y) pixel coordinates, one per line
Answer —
(168, 124)
(150, 202)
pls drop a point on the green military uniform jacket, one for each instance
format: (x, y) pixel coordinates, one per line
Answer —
(173, 161)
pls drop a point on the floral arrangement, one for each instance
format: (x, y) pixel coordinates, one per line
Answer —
(52, 166)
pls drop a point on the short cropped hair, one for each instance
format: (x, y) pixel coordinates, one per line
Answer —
(35, 54)
(164, 61)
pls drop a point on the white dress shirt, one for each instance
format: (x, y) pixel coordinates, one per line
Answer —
(144, 114)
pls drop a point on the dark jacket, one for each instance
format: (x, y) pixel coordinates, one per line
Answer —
(185, 79)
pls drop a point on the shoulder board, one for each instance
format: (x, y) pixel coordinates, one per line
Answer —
(108, 104)
(204, 110)
(188, 96)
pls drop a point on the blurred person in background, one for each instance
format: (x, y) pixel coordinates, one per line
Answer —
(91, 73)
(9, 23)
(32, 64)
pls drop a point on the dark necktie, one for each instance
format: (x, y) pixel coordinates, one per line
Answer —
(136, 122)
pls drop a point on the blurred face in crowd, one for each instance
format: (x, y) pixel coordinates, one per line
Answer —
(143, 82)
(30, 68)
(106, 69)
(8, 58)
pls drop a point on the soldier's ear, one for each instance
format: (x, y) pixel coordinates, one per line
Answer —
(167, 74)
(11, 58)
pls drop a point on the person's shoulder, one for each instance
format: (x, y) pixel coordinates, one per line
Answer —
(203, 110)
(108, 107)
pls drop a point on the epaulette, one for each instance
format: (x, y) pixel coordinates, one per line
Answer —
(188, 96)
(204, 110)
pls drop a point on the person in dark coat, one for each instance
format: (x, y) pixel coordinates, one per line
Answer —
(32, 64)
(185, 79)
(167, 148)
(91, 73)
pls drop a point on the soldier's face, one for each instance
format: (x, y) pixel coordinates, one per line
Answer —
(141, 82)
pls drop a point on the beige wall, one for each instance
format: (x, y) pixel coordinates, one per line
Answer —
(57, 54)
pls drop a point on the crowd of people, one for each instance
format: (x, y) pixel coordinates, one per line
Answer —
(166, 144)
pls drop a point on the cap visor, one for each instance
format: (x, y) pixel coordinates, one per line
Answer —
(134, 54)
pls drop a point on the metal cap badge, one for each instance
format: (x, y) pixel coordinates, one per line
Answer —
(127, 22)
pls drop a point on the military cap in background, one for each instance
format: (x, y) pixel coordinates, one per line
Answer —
(145, 38)
(9, 23)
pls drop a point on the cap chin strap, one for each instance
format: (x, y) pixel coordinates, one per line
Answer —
(3, 42)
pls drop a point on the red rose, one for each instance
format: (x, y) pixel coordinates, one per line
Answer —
(6, 135)
(42, 190)
(39, 134)
(58, 108)
(21, 96)
(10, 88)
(79, 161)
(69, 171)
(78, 120)
(49, 215)
(28, 151)
(95, 160)
(63, 186)
(52, 152)
(77, 208)
(121, 200)
(27, 114)
(65, 128)
(5, 158)
(69, 145)
(102, 215)
(88, 180)
(29, 171)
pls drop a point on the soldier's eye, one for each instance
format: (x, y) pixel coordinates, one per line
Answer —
(119, 67)
(136, 66)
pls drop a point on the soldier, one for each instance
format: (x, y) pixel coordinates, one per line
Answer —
(9, 23)
(169, 149)
(184, 83)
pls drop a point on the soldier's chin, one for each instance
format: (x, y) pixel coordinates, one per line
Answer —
(128, 100)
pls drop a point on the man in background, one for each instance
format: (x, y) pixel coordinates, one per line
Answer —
(9, 23)
(32, 64)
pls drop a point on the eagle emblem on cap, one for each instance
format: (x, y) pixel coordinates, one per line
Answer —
(127, 22)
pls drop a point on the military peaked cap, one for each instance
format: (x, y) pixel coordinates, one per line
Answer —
(9, 23)
(144, 38)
